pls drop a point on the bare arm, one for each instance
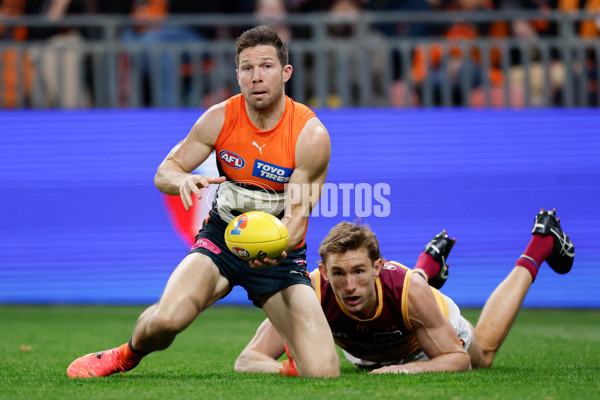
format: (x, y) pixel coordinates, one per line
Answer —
(263, 351)
(174, 176)
(304, 188)
(436, 336)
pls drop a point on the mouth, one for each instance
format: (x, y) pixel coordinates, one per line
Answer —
(259, 93)
(352, 300)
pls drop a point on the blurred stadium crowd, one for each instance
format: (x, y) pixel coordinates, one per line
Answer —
(538, 82)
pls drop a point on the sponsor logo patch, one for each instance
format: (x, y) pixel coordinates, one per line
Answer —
(300, 261)
(232, 159)
(271, 172)
(206, 244)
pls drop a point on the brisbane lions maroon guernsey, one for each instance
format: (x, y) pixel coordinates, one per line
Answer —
(385, 337)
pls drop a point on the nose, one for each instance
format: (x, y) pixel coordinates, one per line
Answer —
(257, 77)
(350, 284)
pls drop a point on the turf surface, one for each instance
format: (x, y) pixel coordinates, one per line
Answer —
(549, 354)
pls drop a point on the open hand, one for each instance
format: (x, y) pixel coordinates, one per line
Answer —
(193, 185)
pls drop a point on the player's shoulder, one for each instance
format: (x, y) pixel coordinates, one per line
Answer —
(212, 120)
(418, 287)
(216, 111)
(314, 135)
(315, 125)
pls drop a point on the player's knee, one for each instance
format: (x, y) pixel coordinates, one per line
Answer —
(485, 360)
(481, 353)
(488, 359)
(333, 363)
(321, 366)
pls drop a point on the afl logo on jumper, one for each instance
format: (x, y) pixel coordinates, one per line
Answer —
(231, 159)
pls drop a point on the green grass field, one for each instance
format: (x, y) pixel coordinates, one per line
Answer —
(549, 354)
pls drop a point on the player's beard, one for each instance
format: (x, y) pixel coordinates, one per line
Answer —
(269, 102)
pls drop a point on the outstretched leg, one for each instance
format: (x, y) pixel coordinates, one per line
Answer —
(549, 244)
(498, 316)
(194, 286)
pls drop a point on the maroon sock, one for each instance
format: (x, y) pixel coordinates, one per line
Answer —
(426, 263)
(539, 248)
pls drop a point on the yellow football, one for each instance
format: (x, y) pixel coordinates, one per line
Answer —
(255, 235)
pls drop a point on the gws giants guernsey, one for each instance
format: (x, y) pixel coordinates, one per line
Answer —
(256, 163)
(387, 337)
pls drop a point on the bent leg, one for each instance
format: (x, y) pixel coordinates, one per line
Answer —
(297, 315)
(498, 316)
(194, 286)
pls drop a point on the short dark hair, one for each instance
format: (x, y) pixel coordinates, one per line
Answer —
(347, 236)
(262, 35)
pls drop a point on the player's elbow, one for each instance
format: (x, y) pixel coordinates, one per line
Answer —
(243, 363)
(162, 183)
(157, 180)
(164, 179)
(159, 177)
(463, 362)
(453, 362)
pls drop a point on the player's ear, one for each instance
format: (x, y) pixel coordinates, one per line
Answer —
(323, 271)
(287, 73)
(378, 265)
